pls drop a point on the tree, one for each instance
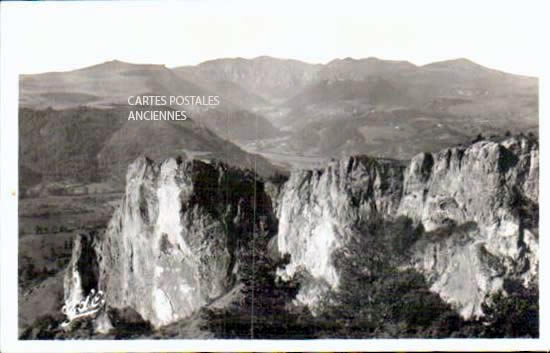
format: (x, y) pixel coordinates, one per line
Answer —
(478, 138)
(263, 309)
(512, 315)
(378, 299)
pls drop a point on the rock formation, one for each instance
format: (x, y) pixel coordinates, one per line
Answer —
(483, 199)
(173, 245)
(321, 209)
(492, 186)
(82, 272)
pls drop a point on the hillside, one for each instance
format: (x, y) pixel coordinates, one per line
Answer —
(102, 85)
(108, 85)
(92, 144)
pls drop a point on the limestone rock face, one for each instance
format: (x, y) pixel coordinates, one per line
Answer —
(172, 245)
(320, 209)
(487, 198)
(82, 272)
(477, 205)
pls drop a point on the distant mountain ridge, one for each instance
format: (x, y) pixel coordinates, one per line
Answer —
(260, 78)
(271, 78)
(288, 106)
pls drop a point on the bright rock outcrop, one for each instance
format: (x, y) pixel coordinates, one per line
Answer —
(172, 245)
(482, 198)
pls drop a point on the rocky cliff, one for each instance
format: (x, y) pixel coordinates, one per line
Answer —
(477, 206)
(173, 244)
(494, 188)
(321, 210)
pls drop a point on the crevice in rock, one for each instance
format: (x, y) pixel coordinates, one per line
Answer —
(87, 264)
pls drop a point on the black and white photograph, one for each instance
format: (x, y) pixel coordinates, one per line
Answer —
(185, 174)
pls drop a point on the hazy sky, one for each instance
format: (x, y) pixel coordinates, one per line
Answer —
(57, 36)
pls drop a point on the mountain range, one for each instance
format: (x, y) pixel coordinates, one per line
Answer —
(281, 107)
